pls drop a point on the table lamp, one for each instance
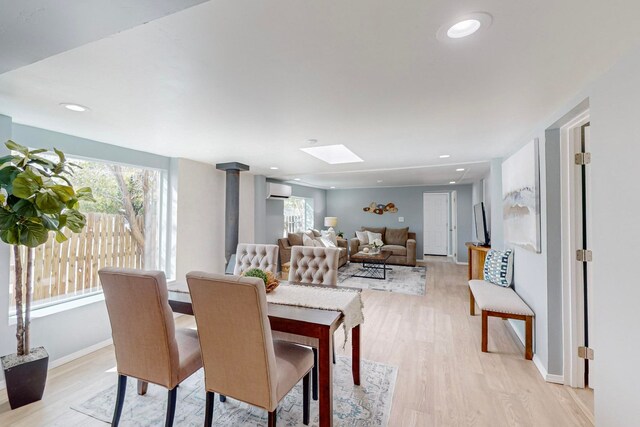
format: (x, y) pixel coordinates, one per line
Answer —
(330, 221)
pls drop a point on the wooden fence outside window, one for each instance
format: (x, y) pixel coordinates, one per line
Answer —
(69, 269)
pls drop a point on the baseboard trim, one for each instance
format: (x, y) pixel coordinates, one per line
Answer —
(71, 357)
(550, 378)
(462, 263)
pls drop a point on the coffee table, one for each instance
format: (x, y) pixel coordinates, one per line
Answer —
(374, 266)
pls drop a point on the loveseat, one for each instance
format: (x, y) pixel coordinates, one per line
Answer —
(295, 239)
(400, 241)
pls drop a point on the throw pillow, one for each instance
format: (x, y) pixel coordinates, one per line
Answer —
(309, 233)
(396, 236)
(330, 235)
(315, 232)
(380, 230)
(373, 236)
(326, 243)
(498, 267)
(295, 239)
(362, 236)
(308, 241)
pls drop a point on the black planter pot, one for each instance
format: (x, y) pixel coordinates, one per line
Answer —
(25, 376)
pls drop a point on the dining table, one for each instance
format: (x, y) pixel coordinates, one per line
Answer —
(300, 320)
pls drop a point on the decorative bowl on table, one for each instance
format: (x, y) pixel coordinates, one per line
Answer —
(270, 280)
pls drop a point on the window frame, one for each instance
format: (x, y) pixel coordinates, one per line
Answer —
(166, 240)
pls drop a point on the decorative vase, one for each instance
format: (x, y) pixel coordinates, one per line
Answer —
(374, 251)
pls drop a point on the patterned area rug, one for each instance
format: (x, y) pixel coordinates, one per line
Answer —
(366, 405)
(401, 279)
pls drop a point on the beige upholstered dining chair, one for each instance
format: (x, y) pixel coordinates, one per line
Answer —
(250, 255)
(240, 358)
(314, 265)
(147, 344)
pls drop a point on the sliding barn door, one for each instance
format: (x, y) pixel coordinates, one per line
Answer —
(436, 223)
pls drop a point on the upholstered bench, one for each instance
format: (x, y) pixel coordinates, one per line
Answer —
(504, 302)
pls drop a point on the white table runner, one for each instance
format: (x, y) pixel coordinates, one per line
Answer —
(346, 301)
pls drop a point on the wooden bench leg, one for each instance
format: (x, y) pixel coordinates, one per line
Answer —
(472, 303)
(528, 333)
(485, 327)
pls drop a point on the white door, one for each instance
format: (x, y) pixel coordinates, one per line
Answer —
(587, 273)
(453, 251)
(436, 223)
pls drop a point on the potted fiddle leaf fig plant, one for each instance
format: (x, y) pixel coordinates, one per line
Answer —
(37, 200)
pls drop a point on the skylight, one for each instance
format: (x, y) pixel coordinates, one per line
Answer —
(333, 154)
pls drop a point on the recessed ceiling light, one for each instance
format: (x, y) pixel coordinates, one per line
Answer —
(333, 154)
(445, 156)
(274, 168)
(332, 187)
(464, 26)
(460, 170)
(452, 182)
(379, 181)
(297, 179)
(75, 107)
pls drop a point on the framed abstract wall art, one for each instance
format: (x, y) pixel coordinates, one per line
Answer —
(521, 197)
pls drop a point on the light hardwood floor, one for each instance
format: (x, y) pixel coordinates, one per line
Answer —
(443, 379)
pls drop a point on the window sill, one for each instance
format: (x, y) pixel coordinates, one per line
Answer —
(58, 308)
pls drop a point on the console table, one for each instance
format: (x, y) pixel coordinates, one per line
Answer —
(477, 255)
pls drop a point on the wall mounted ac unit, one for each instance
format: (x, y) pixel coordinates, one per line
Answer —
(278, 191)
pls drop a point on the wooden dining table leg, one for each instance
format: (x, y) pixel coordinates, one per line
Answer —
(325, 383)
(355, 354)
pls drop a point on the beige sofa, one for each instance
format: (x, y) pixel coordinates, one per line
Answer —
(295, 239)
(400, 241)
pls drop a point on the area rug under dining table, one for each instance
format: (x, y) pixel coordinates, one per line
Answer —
(367, 405)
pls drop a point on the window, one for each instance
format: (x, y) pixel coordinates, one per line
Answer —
(298, 214)
(124, 229)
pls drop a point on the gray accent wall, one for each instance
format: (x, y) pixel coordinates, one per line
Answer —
(347, 206)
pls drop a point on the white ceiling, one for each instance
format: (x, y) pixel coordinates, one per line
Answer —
(252, 81)
(31, 30)
(395, 177)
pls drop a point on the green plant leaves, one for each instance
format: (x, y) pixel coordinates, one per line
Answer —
(36, 197)
(9, 236)
(33, 234)
(85, 194)
(24, 186)
(64, 192)
(13, 146)
(48, 202)
(50, 223)
(74, 220)
(7, 219)
(25, 208)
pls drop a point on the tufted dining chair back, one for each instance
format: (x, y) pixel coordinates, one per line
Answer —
(318, 266)
(248, 255)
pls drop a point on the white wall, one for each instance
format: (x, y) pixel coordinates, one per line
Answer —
(615, 108)
(200, 225)
(614, 101)
(246, 231)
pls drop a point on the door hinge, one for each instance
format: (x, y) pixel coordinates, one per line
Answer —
(583, 159)
(585, 353)
(584, 255)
